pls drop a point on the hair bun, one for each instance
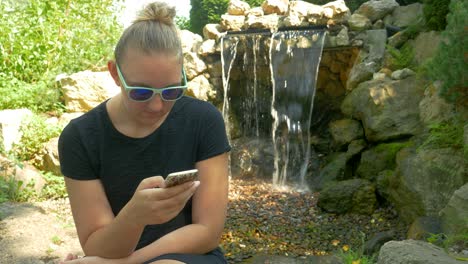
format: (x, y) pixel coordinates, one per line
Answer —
(158, 12)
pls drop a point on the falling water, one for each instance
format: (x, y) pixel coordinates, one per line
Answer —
(279, 107)
(228, 54)
(294, 62)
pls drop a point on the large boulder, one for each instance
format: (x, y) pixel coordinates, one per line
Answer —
(84, 90)
(359, 22)
(10, 124)
(345, 130)
(237, 7)
(422, 51)
(370, 58)
(201, 88)
(413, 252)
(50, 160)
(377, 9)
(404, 16)
(377, 159)
(455, 215)
(350, 196)
(425, 180)
(433, 108)
(193, 65)
(388, 109)
(279, 7)
(190, 41)
(232, 23)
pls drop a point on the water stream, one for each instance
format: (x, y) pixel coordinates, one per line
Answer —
(269, 84)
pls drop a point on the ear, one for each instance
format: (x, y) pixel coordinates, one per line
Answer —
(112, 66)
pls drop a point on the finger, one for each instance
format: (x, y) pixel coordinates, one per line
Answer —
(171, 192)
(151, 182)
(179, 200)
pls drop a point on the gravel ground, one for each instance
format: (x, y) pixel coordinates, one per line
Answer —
(261, 221)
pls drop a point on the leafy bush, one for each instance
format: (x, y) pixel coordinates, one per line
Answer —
(450, 63)
(400, 58)
(54, 187)
(41, 39)
(40, 96)
(206, 11)
(182, 23)
(349, 256)
(16, 191)
(35, 133)
(435, 12)
(445, 134)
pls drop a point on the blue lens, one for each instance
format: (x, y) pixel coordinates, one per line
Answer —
(172, 94)
(140, 94)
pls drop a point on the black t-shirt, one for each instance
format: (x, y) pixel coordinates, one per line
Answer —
(91, 148)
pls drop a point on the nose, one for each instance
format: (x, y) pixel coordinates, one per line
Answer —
(156, 103)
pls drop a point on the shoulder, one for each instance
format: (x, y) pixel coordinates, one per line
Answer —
(196, 108)
(86, 123)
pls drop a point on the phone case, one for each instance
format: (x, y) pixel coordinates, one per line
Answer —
(180, 177)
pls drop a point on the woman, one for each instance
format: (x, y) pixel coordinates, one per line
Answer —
(115, 156)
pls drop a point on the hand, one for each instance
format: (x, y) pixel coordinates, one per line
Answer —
(153, 204)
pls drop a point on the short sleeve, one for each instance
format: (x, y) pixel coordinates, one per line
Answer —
(74, 159)
(213, 139)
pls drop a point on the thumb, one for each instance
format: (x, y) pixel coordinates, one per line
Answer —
(151, 182)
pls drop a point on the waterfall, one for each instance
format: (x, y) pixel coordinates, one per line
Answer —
(272, 94)
(228, 54)
(294, 61)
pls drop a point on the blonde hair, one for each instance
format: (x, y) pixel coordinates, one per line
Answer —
(153, 31)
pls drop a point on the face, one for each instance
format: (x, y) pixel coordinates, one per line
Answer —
(156, 71)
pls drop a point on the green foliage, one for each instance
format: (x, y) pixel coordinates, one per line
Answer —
(350, 256)
(41, 39)
(412, 31)
(205, 12)
(402, 57)
(450, 63)
(35, 133)
(391, 149)
(353, 257)
(40, 96)
(15, 191)
(54, 187)
(183, 23)
(447, 241)
(435, 12)
(447, 134)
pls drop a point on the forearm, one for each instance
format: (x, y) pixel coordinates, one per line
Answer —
(118, 239)
(193, 239)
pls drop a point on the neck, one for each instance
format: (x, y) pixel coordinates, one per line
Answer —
(125, 123)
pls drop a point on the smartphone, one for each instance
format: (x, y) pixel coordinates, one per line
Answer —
(180, 177)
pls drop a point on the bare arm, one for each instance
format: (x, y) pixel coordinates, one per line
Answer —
(105, 235)
(208, 215)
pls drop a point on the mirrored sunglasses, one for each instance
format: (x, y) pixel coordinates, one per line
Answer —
(143, 94)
